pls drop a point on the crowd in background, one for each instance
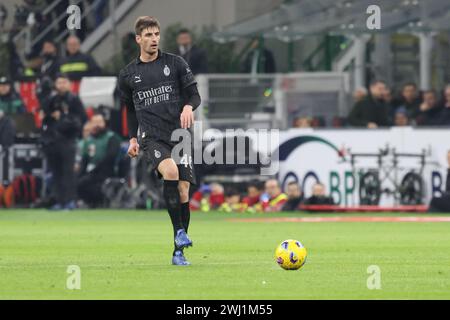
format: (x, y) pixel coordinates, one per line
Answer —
(379, 107)
(259, 197)
(83, 151)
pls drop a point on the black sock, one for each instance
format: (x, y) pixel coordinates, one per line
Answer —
(185, 215)
(185, 218)
(172, 197)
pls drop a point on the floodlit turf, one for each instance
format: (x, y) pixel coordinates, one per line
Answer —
(126, 255)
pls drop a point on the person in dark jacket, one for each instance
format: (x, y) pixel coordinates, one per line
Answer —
(64, 117)
(429, 110)
(444, 115)
(442, 204)
(409, 99)
(10, 101)
(195, 57)
(7, 131)
(50, 60)
(295, 197)
(319, 196)
(259, 60)
(77, 64)
(371, 112)
(7, 135)
(99, 154)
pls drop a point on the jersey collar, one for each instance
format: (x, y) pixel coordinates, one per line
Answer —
(138, 60)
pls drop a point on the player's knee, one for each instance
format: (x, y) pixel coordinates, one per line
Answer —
(171, 174)
(168, 170)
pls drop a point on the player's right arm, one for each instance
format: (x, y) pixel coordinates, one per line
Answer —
(126, 98)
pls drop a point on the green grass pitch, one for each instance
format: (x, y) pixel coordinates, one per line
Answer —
(126, 255)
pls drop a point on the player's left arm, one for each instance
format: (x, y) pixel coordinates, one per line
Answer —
(189, 86)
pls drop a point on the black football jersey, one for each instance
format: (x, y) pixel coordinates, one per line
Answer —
(155, 90)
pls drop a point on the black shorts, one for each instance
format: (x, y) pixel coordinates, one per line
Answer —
(156, 151)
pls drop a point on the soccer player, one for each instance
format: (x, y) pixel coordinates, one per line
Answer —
(160, 93)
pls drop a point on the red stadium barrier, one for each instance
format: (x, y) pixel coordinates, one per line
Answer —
(75, 85)
(334, 208)
(27, 91)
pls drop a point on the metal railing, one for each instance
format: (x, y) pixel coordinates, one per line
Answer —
(270, 101)
(30, 40)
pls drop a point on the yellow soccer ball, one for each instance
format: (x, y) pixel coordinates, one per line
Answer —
(290, 255)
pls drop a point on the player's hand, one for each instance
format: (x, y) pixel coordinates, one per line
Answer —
(424, 107)
(133, 149)
(56, 115)
(187, 117)
(372, 125)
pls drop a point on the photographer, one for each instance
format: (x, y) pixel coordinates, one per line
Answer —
(99, 153)
(64, 117)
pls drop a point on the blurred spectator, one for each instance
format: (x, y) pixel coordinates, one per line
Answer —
(429, 110)
(319, 196)
(338, 122)
(389, 101)
(259, 59)
(207, 197)
(3, 15)
(77, 64)
(194, 56)
(232, 202)
(295, 197)
(318, 122)
(253, 196)
(401, 117)
(302, 122)
(10, 101)
(442, 204)
(387, 96)
(409, 99)
(50, 60)
(11, 66)
(359, 94)
(444, 115)
(98, 159)
(372, 111)
(64, 117)
(273, 200)
(7, 131)
(129, 48)
(7, 135)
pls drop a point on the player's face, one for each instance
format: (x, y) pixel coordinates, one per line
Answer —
(447, 95)
(272, 188)
(98, 124)
(4, 89)
(73, 45)
(148, 40)
(293, 191)
(430, 99)
(62, 85)
(410, 93)
(184, 39)
(253, 192)
(318, 190)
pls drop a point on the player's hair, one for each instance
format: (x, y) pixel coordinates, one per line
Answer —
(374, 82)
(62, 75)
(183, 30)
(145, 22)
(433, 92)
(409, 84)
(232, 192)
(293, 183)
